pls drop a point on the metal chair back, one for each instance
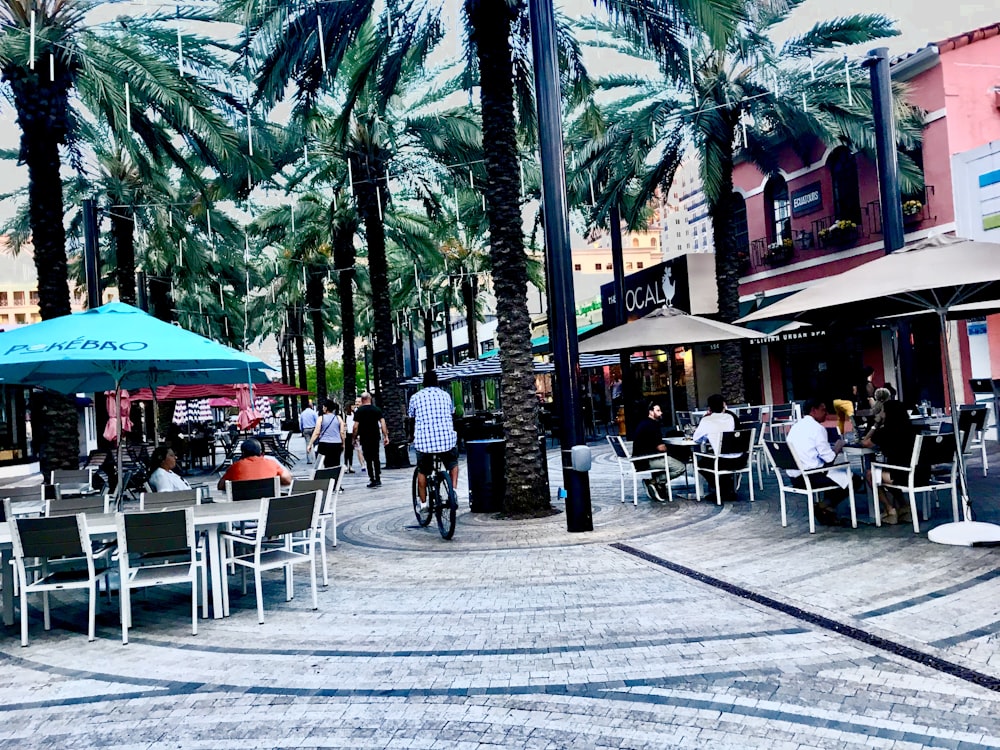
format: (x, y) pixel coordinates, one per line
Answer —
(173, 500)
(290, 514)
(70, 506)
(329, 488)
(253, 489)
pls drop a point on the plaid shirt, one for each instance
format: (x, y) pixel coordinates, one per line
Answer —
(433, 431)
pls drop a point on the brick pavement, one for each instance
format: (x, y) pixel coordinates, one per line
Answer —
(680, 625)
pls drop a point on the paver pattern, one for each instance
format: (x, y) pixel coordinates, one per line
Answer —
(519, 634)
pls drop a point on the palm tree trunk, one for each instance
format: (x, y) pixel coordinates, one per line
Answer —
(123, 232)
(160, 302)
(428, 316)
(343, 254)
(491, 30)
(470, 291)
(314, 298)
(371, 195)
(43, 115)
(290, 355)
(727, 271)
(448, 337)
(300, 352)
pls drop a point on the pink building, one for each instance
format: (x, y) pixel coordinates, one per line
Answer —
(821, 216)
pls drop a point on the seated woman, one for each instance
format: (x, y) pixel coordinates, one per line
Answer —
(894, 437)
(163, 478)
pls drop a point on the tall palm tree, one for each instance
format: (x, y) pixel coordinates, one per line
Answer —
(48, 54)
(493, 26)
(377, 130)
(738, 97)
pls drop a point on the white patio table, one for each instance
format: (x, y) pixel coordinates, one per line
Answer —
(209, 517)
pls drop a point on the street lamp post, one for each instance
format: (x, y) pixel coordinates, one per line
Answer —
(562, 305)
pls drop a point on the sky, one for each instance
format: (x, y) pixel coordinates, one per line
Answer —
(920, 21)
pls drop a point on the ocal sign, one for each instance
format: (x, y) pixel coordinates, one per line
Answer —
(648, 290)
(807, 200)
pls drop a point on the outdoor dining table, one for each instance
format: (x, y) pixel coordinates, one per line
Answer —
(209, 517)
(691, 445)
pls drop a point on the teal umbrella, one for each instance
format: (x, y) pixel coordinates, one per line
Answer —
(118, 346)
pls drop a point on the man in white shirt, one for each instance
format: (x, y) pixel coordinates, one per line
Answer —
(809, 441)
(710, 430)
(307, 425)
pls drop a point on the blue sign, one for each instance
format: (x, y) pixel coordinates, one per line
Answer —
(807, 200)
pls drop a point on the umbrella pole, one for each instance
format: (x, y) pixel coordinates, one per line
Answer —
(120, 489)
(670, 384)
(966, 532)
(156, 421)
(963, 488)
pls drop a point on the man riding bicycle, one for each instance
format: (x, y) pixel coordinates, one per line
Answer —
(433, 434)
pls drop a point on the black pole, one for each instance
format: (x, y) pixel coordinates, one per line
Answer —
(562, 305)
(618, 265)
(90, 256)
(141, 293)
(877, 63)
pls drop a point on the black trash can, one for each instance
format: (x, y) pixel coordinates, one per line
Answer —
(486, 466)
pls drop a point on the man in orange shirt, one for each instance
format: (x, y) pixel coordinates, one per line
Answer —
(254, 465)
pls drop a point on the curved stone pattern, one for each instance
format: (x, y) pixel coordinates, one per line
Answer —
(518, 634)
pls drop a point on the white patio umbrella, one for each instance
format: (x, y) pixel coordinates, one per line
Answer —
(942, 275)
(661, 329)
(201, 411)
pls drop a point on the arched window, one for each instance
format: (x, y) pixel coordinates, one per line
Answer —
(779, 208)
(844, 178)
(741, 233)
(635, 242)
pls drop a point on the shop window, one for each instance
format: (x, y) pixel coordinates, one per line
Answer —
(639, 265)
(18, 298)
(597, 266)
(844, 179)
(739, 227)
(779, 210)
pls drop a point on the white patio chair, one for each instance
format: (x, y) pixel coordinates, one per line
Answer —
(782, 460)
(636, 465)
(171, 500)
(738, 445)
(61, 544)
(933, 467)
(330, 488)
(283, 517)
(160, 548)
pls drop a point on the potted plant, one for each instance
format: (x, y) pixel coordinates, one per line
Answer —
(841, 232)
(780, 251)
(912, 210)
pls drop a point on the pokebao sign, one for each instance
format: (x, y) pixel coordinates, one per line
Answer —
(807, 200)
(649, 289)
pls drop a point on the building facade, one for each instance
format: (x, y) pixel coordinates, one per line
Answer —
(822, 215)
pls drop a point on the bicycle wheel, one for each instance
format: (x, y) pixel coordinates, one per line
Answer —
(423, 518)
(444, 507)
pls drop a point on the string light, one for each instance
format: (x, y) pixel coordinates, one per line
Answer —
(378, 201)
(322, 41)
(249, 132)
(180, 45)
(52, 66)
(128, 107)
(847, 75)
(31, 50)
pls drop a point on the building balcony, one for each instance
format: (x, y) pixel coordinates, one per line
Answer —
(916, 212)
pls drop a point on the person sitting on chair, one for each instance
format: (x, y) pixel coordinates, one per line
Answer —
(253, 464)
(809, 441)
(648, 442)
(163, 478)
(710, 430)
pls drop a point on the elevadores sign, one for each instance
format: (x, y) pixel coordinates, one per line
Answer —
(649, 289)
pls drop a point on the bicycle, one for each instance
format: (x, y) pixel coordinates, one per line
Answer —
(440, 503)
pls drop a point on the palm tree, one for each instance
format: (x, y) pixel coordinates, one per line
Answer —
(47, 54)
(492, 26)
(382, 59)
(741, 96)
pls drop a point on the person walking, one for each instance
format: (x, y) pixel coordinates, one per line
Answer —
(349, 438)
(307, 424)
(370, 428)
(329, 434)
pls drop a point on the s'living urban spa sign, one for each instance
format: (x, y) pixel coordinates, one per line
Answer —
(648, 290)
